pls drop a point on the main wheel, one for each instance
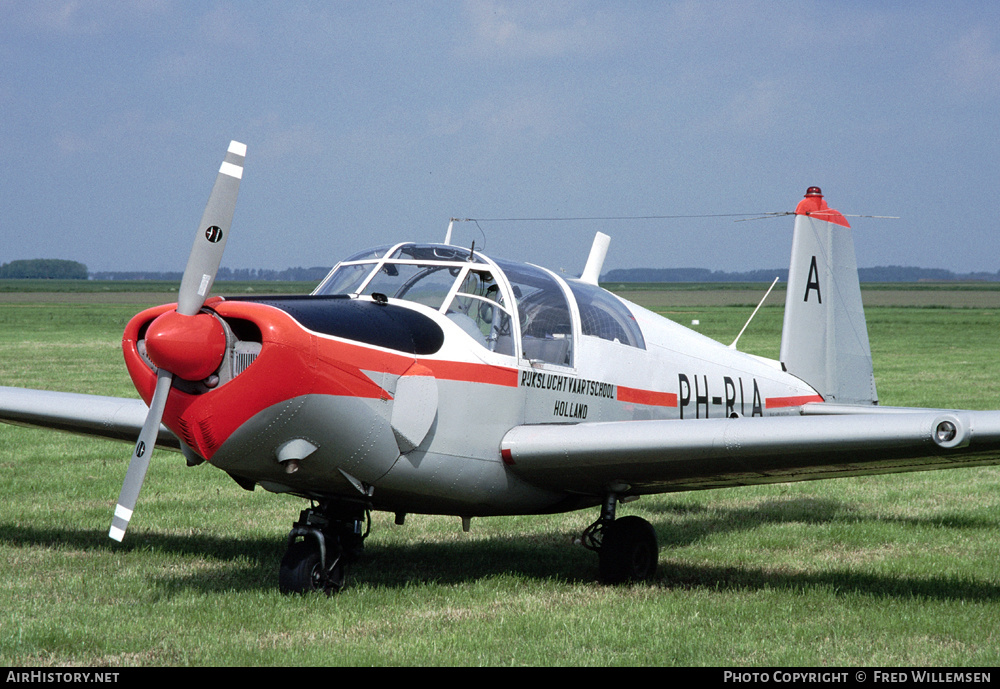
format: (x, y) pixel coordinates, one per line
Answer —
(302, 572)
(629, 552)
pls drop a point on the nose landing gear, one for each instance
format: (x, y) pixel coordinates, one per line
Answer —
(322, 544)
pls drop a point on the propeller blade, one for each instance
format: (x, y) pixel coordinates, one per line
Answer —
(140, 457)
(213, 231)
(202, 266)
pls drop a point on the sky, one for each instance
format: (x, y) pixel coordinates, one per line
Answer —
(373, 122)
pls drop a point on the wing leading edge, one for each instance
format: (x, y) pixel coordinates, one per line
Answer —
(672, 455)
(116, 418)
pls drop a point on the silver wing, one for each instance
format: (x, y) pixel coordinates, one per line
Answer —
(116, 418)
(635, 457)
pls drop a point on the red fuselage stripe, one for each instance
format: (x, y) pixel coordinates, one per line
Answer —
(779, 402)
(472, 373)
(637, 396)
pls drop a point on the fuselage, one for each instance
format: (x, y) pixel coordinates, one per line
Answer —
(395, 382)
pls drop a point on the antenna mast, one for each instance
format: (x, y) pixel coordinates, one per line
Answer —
(733, 345)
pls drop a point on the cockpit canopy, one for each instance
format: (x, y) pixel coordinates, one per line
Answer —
(515, 309)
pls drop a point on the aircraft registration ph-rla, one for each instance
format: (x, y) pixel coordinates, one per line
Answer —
(433, 379)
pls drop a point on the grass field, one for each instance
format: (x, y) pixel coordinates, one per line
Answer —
(869, 572)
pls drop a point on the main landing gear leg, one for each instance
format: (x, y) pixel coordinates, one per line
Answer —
(323, 543)
(626, 548)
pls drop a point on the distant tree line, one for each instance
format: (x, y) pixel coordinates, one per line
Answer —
(57, 269)
(877, 274)
(314, 274)
(43, 269)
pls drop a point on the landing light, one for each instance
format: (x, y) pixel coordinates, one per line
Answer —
(946, 432)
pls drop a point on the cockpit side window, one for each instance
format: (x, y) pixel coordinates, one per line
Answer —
(542, 309)
(604, 316)
(478, 308)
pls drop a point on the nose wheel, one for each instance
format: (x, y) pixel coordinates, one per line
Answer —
(322, 545)
(302, 570)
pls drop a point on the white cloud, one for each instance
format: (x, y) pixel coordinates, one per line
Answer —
(295, 141)
(536, 30)
(77, 17)
(972, 63)
(226, 25)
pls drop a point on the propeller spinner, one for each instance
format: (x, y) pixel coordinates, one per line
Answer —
(202, 267)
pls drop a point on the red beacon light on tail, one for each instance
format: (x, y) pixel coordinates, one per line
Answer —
(813, 205)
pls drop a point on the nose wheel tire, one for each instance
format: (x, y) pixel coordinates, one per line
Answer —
(628, 552)
(323, 543)
(301, 571)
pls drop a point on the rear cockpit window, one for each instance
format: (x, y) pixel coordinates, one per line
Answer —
(603, 315)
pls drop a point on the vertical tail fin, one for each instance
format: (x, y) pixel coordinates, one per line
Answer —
(824, 339)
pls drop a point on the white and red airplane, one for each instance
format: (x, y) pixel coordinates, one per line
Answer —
(433, 379)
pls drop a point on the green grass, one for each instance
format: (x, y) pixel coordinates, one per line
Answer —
(877, 571)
